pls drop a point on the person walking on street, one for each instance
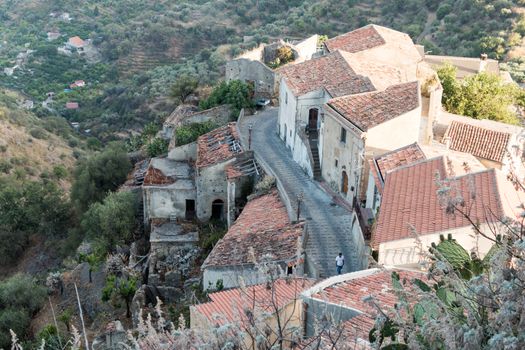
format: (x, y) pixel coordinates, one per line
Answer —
(339, 263)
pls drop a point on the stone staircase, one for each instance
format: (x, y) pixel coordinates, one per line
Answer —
(316, 166)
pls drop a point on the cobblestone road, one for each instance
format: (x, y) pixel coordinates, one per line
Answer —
(329, 225)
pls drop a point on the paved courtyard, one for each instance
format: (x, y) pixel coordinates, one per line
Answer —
(329, 225)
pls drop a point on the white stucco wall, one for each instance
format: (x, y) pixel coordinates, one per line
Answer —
(373, 196)
(405, 252)
(395, 133)
(347, 155)
(293, 118)
(308, 47)
(162, 202)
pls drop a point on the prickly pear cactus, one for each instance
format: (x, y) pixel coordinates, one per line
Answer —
(455, 254)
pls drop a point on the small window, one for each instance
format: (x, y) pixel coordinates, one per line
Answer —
(285, 98)
(336, 163)
(343, 135)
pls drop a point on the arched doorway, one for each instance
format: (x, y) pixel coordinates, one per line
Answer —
(313, 114)
(217, 209)
(344, 182)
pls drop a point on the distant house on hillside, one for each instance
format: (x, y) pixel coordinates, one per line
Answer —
(77, 83)
(75, 43)
(259, 67)
(53, 36)
(72, 105)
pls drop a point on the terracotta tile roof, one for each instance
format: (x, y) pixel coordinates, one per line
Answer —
(353, 293)
(478, 141)
(230, 305)
(358, 40)
(373, 108)
(264, 226)
(71, 105)
(331, 72)
(410, 199)
(218, 146)
(155, 176)
(385, 163)
(76, 41)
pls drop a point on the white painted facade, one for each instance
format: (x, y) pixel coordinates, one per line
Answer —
(409, 253)
(293, 119)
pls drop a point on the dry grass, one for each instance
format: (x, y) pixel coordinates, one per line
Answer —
(38, 154)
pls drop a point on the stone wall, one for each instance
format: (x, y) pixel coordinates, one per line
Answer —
(166, 201)
(211, 185)
(257, 72)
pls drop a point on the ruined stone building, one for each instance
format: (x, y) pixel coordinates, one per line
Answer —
(263, 233)
(198, 182)
(259, 67)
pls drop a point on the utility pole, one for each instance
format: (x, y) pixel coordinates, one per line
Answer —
(250, 127)
(300, 198)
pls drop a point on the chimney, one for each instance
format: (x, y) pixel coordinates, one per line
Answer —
(483, 63)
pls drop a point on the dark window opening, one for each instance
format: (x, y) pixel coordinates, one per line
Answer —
(190, 209)
(343, 135)
(217, 210)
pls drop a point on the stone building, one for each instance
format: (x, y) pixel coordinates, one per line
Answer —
(174, 248)
(169, 190)
(203, 180)
(369, 94)
(262, 233)
(254, 68)
(358, 126)
(216, 151)
(186, 114)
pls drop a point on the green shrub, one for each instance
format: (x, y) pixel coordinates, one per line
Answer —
(60, 171)
(189, 133)
(38, 133)
(235, 92)
(157, 147)
(99, 174)
(5, 166)
(111, 222)
(20, 299)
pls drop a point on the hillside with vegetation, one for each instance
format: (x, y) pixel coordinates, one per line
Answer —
(62, 167)
(138, 50)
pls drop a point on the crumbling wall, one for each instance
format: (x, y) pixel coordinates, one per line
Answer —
(166, 202)
(211, 185)
(256, 72)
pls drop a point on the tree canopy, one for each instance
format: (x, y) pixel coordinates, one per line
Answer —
(480, 96)
(111, 222)
(98, 175)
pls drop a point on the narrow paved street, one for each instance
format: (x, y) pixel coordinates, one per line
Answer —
(329, 225)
